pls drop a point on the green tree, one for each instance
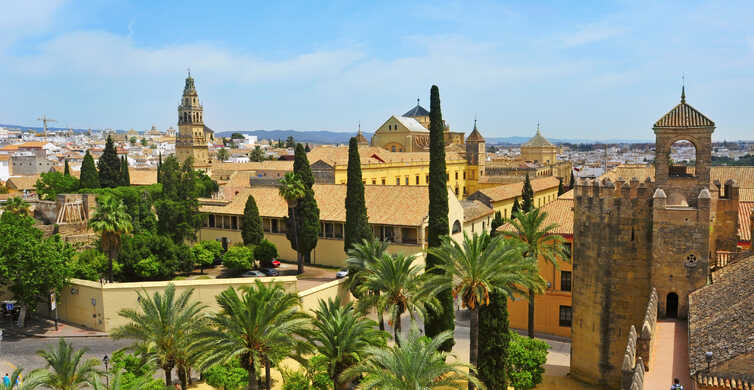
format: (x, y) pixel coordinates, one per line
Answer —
(540, 242)
(50, 184)
(416, 363)
(402, 286)
(492, 364)
(527, 357)
(125, 176)
(342, 335)
(166, 324)
(561, 190)
(178, 207)
(477, 267)
(251, 223)
(66, 369)
(357, 224)
(215, 247)
(238, 259)
(222, 154)
(303, 230)
(109, 166)
(90, 264)
(123, 381)
(151, 256)
(144, 142)
(230, 376)
(516, 208)
(313, 376)
(290, 142)
(89, 176)
(307, 149)
(301, 166)
(443, 318)
(496, 223)
(203, 257)
(265, 252)
(133, 140)
(256, 154)
(16, 205)
(112, 222)
(236, 136)
(252, 327)
(361, 254)
(66, 169)
(159, 167)
(527, 196)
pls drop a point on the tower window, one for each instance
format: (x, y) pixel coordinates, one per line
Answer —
(565, 280)
(566, 316)
(417, 179)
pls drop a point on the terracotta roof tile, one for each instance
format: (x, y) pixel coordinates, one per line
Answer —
(509, 191)
(22, 182)
(683, 115)
(744, 226)
(744, 176)
(474, 209)
(559, 212)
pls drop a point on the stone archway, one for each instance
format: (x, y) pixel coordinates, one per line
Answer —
(671, 305)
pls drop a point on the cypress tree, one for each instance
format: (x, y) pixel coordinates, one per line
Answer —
(307, 213)
(493, 352)
(159, 167)
(573, 181)
(437, 322)
(527, 196)
(496, 223)
(89, 176)
(307, 148)
(251, 223)
(109, 166)
(125, 176)
(516, 208)
(357, 226)
(66, 169)
(561, 190)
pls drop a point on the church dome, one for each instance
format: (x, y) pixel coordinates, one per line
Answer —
(538, 141)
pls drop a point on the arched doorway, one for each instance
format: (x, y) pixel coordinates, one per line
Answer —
(671, 305)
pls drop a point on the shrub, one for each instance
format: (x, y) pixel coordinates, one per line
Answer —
(314, 376)
(526, 359)
(202, 257)
(238, 259)
(215, 247)
(90, 264)
(227, 376)
(265, 252)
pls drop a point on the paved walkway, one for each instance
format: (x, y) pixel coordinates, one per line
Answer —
(41, 327)
(671, 358)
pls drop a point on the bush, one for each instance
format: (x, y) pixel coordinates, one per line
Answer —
(202, 257)
(91, 264)
(526, 359)
(265, 252)
(238, 259)
(215, 247)
(136, 367)
(227, 376)
(149, 256)
(314, 376)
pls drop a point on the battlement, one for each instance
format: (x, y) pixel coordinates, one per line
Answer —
(586, 190)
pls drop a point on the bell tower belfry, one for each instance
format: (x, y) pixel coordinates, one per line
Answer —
(191, 140)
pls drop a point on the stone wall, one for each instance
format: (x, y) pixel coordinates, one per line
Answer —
(645, 344)
(725, 237)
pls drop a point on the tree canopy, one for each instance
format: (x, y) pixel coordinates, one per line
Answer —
(50, 184)
(109, 166)
(89, 176)
(357, 224)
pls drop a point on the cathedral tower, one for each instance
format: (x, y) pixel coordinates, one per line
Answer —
(193, 135)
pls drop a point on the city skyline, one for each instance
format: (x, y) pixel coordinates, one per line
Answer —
(605, 72)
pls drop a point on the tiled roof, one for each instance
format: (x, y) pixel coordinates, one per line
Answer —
(538, 141)
(510, 191)
(412, 124)
(388, 205)
(22, 182)
(566, 195)
(683, 115)
(629, 171)
(559, 212)
(744, 176)
(416, 111)
(721, 317)
(474, 209)
(475, 135)
(744, 226)
(338, 155)
(274, 165)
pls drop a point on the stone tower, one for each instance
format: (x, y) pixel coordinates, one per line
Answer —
(631, 236)
(193, 136)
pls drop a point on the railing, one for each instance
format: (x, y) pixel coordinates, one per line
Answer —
(722, 258)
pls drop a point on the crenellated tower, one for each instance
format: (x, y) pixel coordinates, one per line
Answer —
(193, 135)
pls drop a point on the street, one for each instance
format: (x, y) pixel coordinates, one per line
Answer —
(21, 352)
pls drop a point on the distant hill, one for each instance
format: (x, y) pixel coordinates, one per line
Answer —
(515, 140)
(316, 137)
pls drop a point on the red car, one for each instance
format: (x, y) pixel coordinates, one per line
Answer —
(275, 263)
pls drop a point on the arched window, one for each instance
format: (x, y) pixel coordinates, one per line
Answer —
(681, 159)
(456, 227)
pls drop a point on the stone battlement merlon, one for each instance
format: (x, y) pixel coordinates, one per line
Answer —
(590, 190)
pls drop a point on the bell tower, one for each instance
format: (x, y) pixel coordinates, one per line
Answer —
(191, 140)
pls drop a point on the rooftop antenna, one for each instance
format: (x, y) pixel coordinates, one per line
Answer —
(45, 120)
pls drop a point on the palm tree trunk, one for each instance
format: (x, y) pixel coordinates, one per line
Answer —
(531, 314)
(381, 320)
(335, 379)
(111, 256)
(168, 375)
(397, 329)
(267, 379)
(182, 377)
(474, 340)
(252, 384)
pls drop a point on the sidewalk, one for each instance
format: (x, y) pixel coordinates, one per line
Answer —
(44, 328)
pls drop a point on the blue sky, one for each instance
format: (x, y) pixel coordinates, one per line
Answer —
(595, 70)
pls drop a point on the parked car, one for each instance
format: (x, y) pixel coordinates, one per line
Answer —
(270, 272)
(342, 273)
(275, 263)
(252, 274)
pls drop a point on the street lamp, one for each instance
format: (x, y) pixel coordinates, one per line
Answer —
(106, 360)
(708, 358)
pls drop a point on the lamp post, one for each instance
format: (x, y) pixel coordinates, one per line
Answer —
(708, 358)
(106, 360)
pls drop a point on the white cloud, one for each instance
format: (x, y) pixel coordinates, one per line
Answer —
(27, 17)
(590, 33)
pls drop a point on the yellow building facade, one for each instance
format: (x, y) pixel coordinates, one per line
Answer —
(193, 135)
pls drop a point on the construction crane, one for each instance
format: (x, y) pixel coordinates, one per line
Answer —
(45, 120)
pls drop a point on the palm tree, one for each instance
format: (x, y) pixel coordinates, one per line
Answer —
(115, 382)
(361, 254)
(17, 205)
(292, 189)
(402, 288)
(111, 220)
(416, 363)
(19, 382)
(65, 368)
(342, 335)
(477, 267)
(252, 327)
(164, 328)
(540, 241)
